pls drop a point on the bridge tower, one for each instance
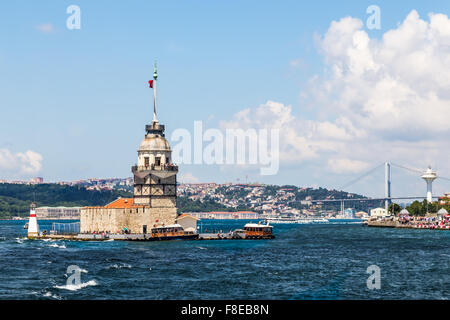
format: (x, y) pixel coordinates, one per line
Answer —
(387, 185)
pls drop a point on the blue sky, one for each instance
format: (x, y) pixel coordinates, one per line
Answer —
(79, 98)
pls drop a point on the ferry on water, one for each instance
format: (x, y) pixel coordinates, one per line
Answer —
(255, 231)
(172, 232)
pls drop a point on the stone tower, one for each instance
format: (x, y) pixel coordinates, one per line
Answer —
(155, 189)
(155, 176)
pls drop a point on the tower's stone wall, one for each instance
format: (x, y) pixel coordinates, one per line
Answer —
(113, 220)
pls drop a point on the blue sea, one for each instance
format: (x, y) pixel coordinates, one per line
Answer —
(310, 261)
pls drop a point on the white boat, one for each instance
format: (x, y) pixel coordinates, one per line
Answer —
(345, 220)
(296, 220)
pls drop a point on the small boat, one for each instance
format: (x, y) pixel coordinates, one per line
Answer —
(171, 232)
(282, 220)
(255, 231)
(296, 220)
(25, 226)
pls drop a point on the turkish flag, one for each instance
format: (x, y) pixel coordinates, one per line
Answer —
(150, 83)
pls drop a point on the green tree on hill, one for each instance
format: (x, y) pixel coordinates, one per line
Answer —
(422, 208)
(184, 204)
(15, 199)
(395, 208)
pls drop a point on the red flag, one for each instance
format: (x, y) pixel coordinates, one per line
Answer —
(150, 83)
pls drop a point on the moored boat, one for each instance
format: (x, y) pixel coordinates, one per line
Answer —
(255, 231)
(171, 232)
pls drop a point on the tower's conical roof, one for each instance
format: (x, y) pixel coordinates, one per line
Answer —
(154, 143)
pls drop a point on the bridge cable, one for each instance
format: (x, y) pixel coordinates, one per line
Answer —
(406, 168)
(417, 170)
(360, 177)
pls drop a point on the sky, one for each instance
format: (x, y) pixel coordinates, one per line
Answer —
(345, 97)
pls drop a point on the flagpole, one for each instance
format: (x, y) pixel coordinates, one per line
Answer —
(155, 76)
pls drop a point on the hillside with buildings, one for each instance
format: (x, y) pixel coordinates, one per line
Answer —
(201, 197)
(272, 199)
(15, 198)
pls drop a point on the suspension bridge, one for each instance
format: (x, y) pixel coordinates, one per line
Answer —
(428, 175)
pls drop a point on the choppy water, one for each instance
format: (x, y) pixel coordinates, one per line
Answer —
(314, 261)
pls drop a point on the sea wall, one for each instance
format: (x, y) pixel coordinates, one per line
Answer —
(383, 223)
(432, 225)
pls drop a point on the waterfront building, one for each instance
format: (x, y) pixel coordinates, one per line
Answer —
(37, 180)
(58, 213)
(361, 214)
(445, 199)
(155, 184)
(349, 213)
(225, 215)
(378, 213)
(188, 222)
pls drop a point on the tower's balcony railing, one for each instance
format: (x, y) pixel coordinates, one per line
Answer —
(159, 129)
(164, 167)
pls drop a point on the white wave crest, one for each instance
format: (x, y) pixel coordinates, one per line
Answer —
(50, 295)
(55, 245)
(119, 266)
(75, 287)
(20, 240)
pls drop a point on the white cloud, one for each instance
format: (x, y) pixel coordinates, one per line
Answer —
(20, 164)
(379, 99)
(300, 139)
(187, 177)
(346, 165)
(390, 85)
(296, 63)
(45, 27)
